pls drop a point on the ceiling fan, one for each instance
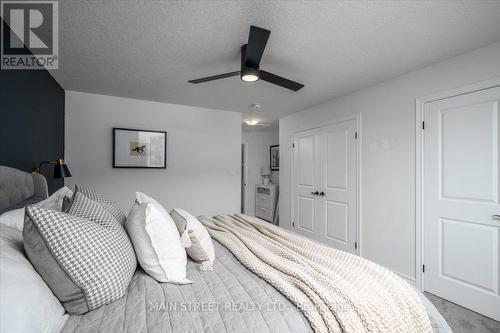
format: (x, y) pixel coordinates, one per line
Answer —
(251, 54)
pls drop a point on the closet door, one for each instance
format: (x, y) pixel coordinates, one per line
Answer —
(306, 173)
(338, 186)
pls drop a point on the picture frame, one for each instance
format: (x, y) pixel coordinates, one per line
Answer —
(274, 157)
(139, 148)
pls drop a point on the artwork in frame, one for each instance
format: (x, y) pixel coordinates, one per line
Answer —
(136, 148)
(274, 157)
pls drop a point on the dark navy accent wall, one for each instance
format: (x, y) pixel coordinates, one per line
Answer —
(31, 121)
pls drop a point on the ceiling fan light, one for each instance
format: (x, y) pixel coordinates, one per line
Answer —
(252, 122)
(249, 75)
(249, 78)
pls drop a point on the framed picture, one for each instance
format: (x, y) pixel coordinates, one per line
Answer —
(274, 152)
(135, 148)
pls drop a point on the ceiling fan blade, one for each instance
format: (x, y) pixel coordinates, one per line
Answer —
(280, 81)
(215, 77)
(257, 40)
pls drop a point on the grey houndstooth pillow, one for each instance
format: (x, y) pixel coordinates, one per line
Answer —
(109, 205)
(82, 206)
(86, 258)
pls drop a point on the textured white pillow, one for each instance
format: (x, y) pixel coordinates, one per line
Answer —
(156, 241)
(195, 237)
(26, 302)
(15, 218)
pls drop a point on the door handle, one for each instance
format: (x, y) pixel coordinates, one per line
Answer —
(315, 193)
(322, 194)
(496, 217)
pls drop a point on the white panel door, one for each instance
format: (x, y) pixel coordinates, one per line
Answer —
(338, 186)
(460, 196)
(324, 183)
(306, 179)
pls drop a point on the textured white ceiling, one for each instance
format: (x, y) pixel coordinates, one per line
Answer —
(150, 49)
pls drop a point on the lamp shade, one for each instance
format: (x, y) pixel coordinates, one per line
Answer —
(61, 170)
(265, 171)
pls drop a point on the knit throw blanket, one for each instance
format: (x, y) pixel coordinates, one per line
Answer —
(336, 291)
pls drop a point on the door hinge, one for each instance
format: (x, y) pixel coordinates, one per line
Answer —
(293, 224)
(423, 268)
(293, 145)
(355, 245)
(423, 125)
(356, 135)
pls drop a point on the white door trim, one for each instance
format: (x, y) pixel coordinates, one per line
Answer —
(357, 118)
(419, 152)
(244, 178)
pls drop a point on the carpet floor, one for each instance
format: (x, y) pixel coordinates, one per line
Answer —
(462, 320)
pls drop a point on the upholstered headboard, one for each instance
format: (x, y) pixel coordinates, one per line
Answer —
(17, 186)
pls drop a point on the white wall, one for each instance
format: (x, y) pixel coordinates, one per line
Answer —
(203, 152)
(388, 151)
(258, 143)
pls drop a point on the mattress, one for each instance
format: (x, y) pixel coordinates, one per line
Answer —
(229, 299)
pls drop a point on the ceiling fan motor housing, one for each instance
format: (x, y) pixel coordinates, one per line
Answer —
(248, 72)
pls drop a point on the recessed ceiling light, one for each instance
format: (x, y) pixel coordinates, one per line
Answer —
(252, 122)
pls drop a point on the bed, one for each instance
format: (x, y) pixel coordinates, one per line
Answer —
(231, 298)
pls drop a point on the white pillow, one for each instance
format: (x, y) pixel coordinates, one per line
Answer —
(26, 302)
(15, 218)
(156, 241)
(195, 237)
